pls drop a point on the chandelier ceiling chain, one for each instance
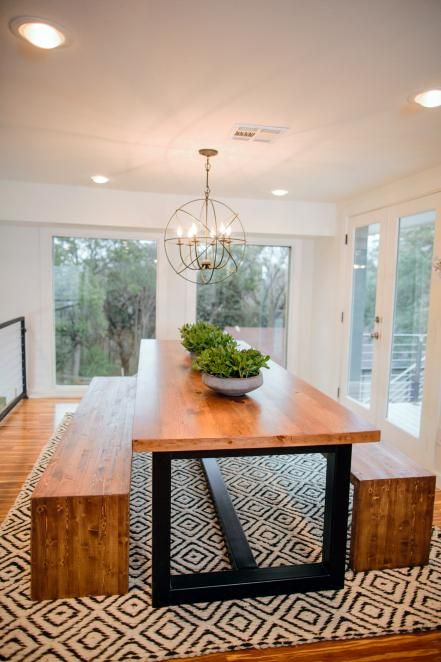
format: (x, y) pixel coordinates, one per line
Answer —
(207, 168)
(204, 239)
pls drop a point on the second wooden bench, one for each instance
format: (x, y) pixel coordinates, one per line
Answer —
(392, 509)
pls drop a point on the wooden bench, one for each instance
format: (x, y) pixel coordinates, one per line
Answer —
(80, 507)
(392, 510)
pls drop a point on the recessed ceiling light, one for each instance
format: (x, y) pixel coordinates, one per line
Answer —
(99, 179)
(279, 192)
(429, 98)
(38, 31)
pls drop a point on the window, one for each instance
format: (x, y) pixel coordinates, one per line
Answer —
(105, 302)
(252, 305)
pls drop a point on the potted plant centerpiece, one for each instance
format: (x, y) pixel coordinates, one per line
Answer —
(202, 335)
(230, 370)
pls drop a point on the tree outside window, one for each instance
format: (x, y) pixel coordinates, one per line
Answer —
(252, 305)
(105, 302)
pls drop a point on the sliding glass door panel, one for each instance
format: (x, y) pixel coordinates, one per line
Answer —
(364, 293)
(410, 317)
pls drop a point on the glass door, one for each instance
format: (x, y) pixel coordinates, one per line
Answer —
(410, 320)
(392, 371)
(408, 411)
(359, 390)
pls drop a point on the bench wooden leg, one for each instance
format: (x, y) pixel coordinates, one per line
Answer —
(391, 523)
(79, 546)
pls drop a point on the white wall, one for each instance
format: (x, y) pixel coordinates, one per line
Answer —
(30, 214)
(49, 204)
(323, 366)
(20, 287)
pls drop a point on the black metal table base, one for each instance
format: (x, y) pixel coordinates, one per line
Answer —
(245, 579)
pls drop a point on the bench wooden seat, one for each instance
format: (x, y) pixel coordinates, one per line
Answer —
(392, 509)
(80, 507)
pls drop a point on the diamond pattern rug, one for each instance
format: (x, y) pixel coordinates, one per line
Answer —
(275, 496)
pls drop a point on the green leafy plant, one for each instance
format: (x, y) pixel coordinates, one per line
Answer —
(231, 362)
(202, 335)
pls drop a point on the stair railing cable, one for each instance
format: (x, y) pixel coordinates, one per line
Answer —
(13, 384)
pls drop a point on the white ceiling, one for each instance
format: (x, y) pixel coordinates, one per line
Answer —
(146, 83)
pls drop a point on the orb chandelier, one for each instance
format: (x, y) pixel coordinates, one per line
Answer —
(204, 239)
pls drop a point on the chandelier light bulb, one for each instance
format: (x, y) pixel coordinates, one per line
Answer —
(179, 231)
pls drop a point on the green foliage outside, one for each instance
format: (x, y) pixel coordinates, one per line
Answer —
(202, 335)
(231, 362)
(105, 302)
(414, 267)
(256, 296)
(414, 270)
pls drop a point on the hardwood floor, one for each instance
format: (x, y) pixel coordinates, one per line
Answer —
(24, 433)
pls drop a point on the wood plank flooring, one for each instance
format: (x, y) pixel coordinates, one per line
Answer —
(24, 433)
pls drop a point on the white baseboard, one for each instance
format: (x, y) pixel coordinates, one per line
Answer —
(60, 392)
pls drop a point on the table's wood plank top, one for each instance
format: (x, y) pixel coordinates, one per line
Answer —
(175, 411)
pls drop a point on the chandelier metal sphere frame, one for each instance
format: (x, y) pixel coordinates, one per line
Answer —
(204, 239)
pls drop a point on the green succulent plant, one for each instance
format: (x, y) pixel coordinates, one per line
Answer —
(202, 335)
(230, 361)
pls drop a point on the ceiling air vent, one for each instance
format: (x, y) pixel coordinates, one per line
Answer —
(257, 133)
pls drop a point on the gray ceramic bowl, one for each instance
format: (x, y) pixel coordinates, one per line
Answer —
(232, 386)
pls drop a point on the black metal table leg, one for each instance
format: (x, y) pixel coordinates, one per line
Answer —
(246, 579)
(239, 550)
(335, 524)
(161, 528)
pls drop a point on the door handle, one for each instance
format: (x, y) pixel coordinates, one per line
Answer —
(375, 335)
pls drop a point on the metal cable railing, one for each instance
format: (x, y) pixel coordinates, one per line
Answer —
(407, 368)
(13, 386)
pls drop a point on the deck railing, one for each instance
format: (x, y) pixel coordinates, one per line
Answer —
(407, 368)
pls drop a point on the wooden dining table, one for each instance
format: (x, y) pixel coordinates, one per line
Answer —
(177, 416)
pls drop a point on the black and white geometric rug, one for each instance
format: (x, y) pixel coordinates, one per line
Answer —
(274, 496)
